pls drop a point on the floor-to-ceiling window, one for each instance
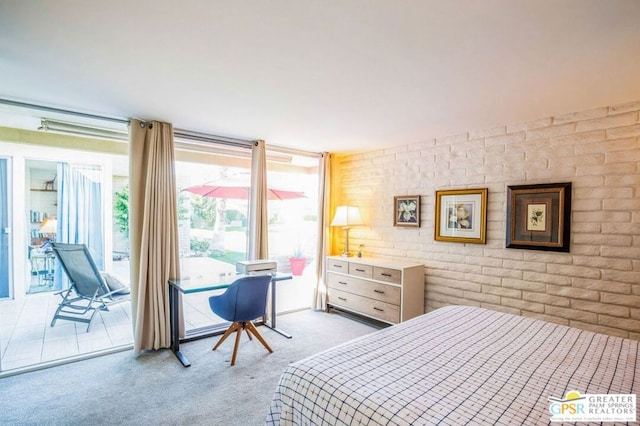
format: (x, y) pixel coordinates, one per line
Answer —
(292, 178)
(213, 212)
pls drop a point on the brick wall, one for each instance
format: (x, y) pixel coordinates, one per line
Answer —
(595, 287)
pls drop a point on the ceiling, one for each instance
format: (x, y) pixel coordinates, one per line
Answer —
(322, 75)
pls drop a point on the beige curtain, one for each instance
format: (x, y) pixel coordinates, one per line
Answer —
(153, 219)
(258, 218)
(324, 231)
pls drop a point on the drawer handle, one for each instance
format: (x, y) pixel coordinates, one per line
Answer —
(378, 309)
(337, 266)
(379, 291)
(385, 274)
(359, 270)
(342, 282)
(344, 298)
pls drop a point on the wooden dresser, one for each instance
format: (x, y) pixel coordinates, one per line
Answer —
(386, 290)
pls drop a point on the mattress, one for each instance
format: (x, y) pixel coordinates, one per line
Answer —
(456, 365)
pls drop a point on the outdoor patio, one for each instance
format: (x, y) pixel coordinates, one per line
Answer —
(27, 338)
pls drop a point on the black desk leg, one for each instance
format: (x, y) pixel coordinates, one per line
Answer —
(272, 324)
(174, 320)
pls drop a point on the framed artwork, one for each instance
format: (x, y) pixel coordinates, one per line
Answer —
(406, 211)
(461, 215)
(539, 216)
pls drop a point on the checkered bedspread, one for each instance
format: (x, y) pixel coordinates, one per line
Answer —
(453, 366)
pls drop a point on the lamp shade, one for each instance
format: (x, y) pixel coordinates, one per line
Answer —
(347, 216)
(49, 225)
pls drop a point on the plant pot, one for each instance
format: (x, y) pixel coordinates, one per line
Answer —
(297, 265)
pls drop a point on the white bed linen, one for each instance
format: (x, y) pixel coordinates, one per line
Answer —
(456, 365)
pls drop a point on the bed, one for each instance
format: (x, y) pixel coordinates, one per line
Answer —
(453, 366)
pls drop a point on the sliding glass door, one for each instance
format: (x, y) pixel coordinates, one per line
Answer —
(5, 230)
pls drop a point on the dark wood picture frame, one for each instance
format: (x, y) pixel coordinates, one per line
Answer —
(539, 216)
(406, 211)
(461, 215)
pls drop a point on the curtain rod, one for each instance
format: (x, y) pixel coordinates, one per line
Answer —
(62, 111)
(186, 134)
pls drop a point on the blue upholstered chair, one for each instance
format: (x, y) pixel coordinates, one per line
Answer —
(244, 301)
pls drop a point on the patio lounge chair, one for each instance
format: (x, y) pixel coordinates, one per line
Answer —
(89, 290)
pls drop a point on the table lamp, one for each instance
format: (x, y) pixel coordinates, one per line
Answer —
(346, 216)
(48, 227)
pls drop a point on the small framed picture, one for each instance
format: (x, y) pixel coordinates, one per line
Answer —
(461, 215)
(406, 210)
(539, 216)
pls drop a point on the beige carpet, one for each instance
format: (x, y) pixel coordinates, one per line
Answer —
(154, 388)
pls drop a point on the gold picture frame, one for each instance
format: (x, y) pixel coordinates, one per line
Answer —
(461, 215)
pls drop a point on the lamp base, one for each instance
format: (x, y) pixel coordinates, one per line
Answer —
(346, 254)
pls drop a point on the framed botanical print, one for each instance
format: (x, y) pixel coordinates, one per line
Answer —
(406, 210)
(539, 216)
(461, 215)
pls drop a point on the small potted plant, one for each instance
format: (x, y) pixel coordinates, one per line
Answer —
(298, 262)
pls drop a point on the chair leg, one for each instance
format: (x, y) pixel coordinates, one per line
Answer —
(252, 328)
(233, 327)
(235, 347)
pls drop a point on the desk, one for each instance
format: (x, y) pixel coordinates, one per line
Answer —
(188, 286)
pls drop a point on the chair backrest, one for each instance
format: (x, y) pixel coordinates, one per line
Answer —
(80, 268)
(246, 298)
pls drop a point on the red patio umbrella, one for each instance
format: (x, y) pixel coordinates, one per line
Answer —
(241, 192)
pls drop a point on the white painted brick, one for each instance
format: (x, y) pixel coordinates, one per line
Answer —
(524, 285)
(546, 278)
(502, 291)
(579, 139)
(601, 308)
(611, 121)
(623, 323)
(624, 132)
(631, 277)
(606, 170)
(547, 299)
(571, 314)
(573, 271)
(582, 115)
(603, 239)
(621, 228)
(482, 297)
(453, 139)
(535, 124)
(572, 292)
(626, 107)
(479, 134)
(548, 132)
(603, 262)
(631, 155)
(602, 285)
(622, 204)
(525, 305)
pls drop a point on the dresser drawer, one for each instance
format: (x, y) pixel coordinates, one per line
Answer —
(387, 274)
(362, 287)
(360, 270)
(338, 266)
(370, 307)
